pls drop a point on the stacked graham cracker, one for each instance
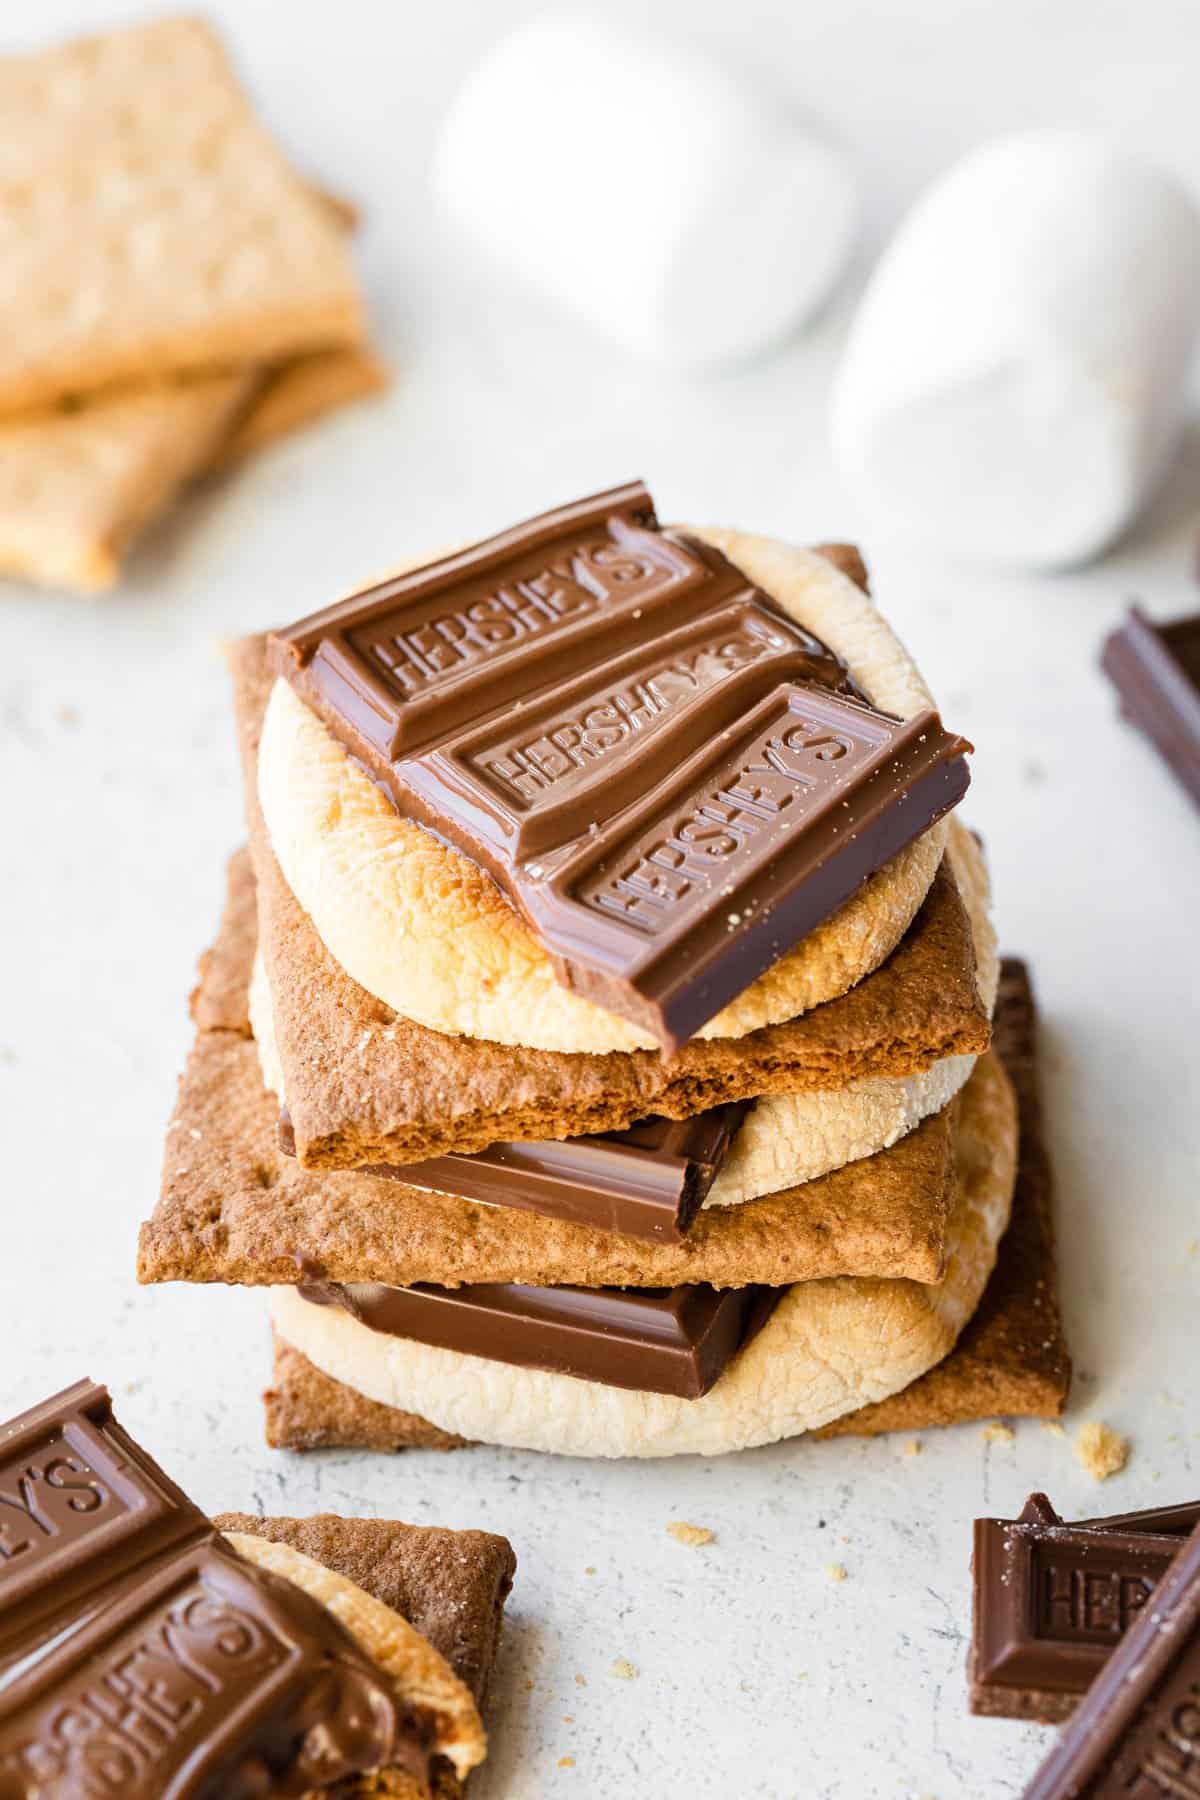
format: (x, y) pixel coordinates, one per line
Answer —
(175, 296)
(398, 1042)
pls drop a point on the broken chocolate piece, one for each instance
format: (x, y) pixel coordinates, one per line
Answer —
(1051, 1602)
(648, 1182)
(658, 1340)
(1156, 671)
(671, 779)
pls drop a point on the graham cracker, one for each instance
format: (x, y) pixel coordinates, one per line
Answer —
(79, 484)
(148, 223)
(234, 1208)
(1011, 1359)
(296, 394)
(450, 1585)
(365, 1085)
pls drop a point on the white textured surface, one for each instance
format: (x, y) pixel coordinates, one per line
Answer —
(757, 1675)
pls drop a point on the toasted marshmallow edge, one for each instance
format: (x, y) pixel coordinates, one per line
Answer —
(635, 185)
(830, 1347)
(1013, 381)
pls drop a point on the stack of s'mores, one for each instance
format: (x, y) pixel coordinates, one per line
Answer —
(597, 1054)
(175, 295)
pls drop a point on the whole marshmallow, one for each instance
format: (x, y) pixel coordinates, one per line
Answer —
(1013, 382)
(643, 189)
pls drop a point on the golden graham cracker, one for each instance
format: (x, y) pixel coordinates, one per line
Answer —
(365, 1085)
(148, 223)
(296, 394)
(79, 484)
(233, 1208)
(1011, 1358)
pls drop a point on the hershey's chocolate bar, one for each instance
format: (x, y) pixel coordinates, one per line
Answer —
(1052, 1600)
(1156, 671)
(672, 780)
(140, 1656)
(658, 1340)
(648, 1182)
(1136, 1733)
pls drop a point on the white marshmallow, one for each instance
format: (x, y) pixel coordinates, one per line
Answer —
(1013, 382)
(643, 189)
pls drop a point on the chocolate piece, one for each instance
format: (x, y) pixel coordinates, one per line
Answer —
(657, 1340)
(1051, 1602)
(1136, 1733)
(1169, 1521)
(1156, 671)
(671, 780)
(140, 1654)
(648, 1182)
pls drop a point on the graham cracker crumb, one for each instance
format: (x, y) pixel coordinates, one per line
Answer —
(913, 1447)
(624, 1670)
(1101, 1450)
(1054, 1427)
(566, 1762)
(835, 1571)
(580, 1681)
(692, 1535)
(998, 1433)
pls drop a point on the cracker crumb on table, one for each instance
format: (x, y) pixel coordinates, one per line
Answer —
(1101, 1450)
(693, 1535)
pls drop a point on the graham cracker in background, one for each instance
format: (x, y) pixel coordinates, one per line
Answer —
(148, 223)
(81, 483)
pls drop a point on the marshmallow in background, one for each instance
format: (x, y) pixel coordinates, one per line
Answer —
(1014, 381)
(643, 189)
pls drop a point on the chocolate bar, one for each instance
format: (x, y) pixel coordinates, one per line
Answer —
(657, 1340)
(1156, 671)
(648, 1182)
(671, 779)
(1052, 1600)
(1136, 1733)
(139, 1654)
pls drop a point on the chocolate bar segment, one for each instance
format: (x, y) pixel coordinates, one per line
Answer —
(1156, 671)
(1136, 1733)
(140, 1655)
(657, 1340)
(648, 1182)
(670, 778)
(1052, 1600)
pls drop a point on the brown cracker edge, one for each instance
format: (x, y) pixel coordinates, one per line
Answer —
(1011, 1359)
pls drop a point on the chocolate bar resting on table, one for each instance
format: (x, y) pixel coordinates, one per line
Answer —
(671, 779)
(647, 1182)
(1136, 1733)
(1053, 1599)
(1156, 671)
(139, 1653)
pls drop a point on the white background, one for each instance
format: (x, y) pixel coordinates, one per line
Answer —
(120, 802)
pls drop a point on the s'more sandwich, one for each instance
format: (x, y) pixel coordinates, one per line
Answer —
(150, 1651)
(601, 1052)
